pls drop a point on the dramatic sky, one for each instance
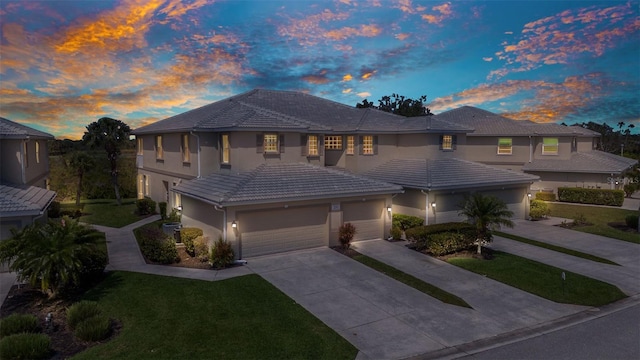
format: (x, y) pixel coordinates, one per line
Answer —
(65, 64)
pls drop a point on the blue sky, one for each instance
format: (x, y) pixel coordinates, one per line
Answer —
(64, 64)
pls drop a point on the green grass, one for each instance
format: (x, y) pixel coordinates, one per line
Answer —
(559, 249)
(412, 281)
(542, 280)
(600, 217)
(238, 318)
(106, 212)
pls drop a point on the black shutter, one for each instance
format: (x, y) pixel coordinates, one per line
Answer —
(281, 143)
(454, 141)
(321, 145)
(375, 145)
(360, 145)
(259, 143)
(441, 142)
(303, 145)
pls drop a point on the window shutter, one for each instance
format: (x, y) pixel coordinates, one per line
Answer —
(361, 145)
(303, 145)
(281, 143)
(375, 145)
(321, 145)
(441, 142)
(454, 141)
(259, 143)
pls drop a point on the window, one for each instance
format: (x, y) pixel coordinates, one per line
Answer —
(186, 155)
(447, 142)
(312, 143)
(350, 145)
(574, 144)
(140, 148)
(159, 150)
(333, 142)
(367, 145)
(38, 152)
(504, 146)
(143, 186)
(549, 146)
(271, 143)
(225, 148)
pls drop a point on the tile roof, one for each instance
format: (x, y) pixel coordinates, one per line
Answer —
(446, 174)
(293, 111)
(486, 123)
(12, 130)
(595, 161)
(278, 182)
(24, 200)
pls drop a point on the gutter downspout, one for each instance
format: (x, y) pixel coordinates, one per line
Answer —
(198, 145)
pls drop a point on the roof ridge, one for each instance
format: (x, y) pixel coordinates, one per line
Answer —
(287, 118)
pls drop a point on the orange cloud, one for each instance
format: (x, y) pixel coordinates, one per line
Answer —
(347, 77)
(443, 12)
(402, 37)
(177, 8)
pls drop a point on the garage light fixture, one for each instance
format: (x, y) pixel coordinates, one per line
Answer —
(234, 224)
(433, 204)
(389, 208)
(180, 208)
(529, 195)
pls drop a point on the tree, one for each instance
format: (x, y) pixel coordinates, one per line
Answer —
(486, 213)
(399, 105)
(54, 255)
(81, 162)
(110, 134)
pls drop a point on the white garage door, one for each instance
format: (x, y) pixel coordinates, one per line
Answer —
(366, 216)
(447, 206)
(514, 198)
(279, 230)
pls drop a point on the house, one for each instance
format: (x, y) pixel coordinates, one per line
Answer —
(24, 197)
(272, 171)
(562, 156)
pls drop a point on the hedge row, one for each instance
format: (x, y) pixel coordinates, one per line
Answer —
(591, 196)
(405, 222)
(441, 239)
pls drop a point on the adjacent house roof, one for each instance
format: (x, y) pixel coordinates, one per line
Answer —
(13, 130)
(446, 174)
(18, 201)
(597, 162)
(293, 111)
(278, 182)
(486, 123)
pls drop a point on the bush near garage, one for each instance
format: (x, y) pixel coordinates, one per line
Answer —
(157, 246)
(201, 248)
(444, 238)
(591, 196)
(221, 254)
(396, 233)
(538, 210)
(405, 222)
(546, 196)
(346, 232)
(187, 236)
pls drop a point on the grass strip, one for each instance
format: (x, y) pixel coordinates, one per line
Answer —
(599, 217)
(239, 318)
(412, 281)
(542, 280)
(559, 249)
(106, 212)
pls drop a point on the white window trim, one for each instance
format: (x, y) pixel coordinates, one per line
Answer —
(226, 149)
(351, 145)
(267, 145)
(186, 152)
(159, 147)
(313, 145)
(449, 143)
(510, 149)
(557, 147)
(367, 145)
(333, 142)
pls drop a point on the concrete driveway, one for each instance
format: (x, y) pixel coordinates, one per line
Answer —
(385, 319)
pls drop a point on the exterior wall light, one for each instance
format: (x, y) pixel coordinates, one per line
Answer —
(179, 207)
(389, 208)
(234, 225)
(433, 204)
(529, 195)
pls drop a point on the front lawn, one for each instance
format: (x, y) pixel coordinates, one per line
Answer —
(542, 280)
(600, 217)
(239, 318)
(106, 212)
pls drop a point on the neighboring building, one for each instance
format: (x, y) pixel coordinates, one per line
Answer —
(272, 171)
(24, 172)
(562, 156)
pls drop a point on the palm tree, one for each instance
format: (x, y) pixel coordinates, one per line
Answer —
(81, 163)
(110, 134)
(486, 213)
(53, 255)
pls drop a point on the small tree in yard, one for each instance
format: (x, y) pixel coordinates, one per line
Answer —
(486, 213)
(110, 134)
(345, 234)
(81, 162)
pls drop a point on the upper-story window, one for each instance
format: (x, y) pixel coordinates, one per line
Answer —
(186, 154)
(505, 146)
(332, 142)
(549, 146)
(37, 152)
(271, 143)
(350, 145)
(312, 144)
(139, 146)
(159, 149)
(368, 145)
(448, 142)
(225, 149)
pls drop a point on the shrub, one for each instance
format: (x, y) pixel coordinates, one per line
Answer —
(545, 196)
(591, 196)
(54, 210)
(221, 254)
(405, 222)
(25, 346)
(539, 209)
(346, 232)
(396, 233)
(174, 216)
(630, 188)
(145, 206)
(422, 236)
(156, 246)
(81, 311)
(188, 235)
(449, 242)
(18, 323)
(632, 221)
(94, 328)
(201, 248)
(163, 209)
(580, 219)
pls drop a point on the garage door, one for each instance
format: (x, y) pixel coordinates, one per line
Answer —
(366, 216)
(278, 230)
(447, 206)
(514, 198)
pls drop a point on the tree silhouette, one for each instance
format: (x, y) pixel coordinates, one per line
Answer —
(485, 213)
(110, 134)
(399, 105)
(81, 162)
